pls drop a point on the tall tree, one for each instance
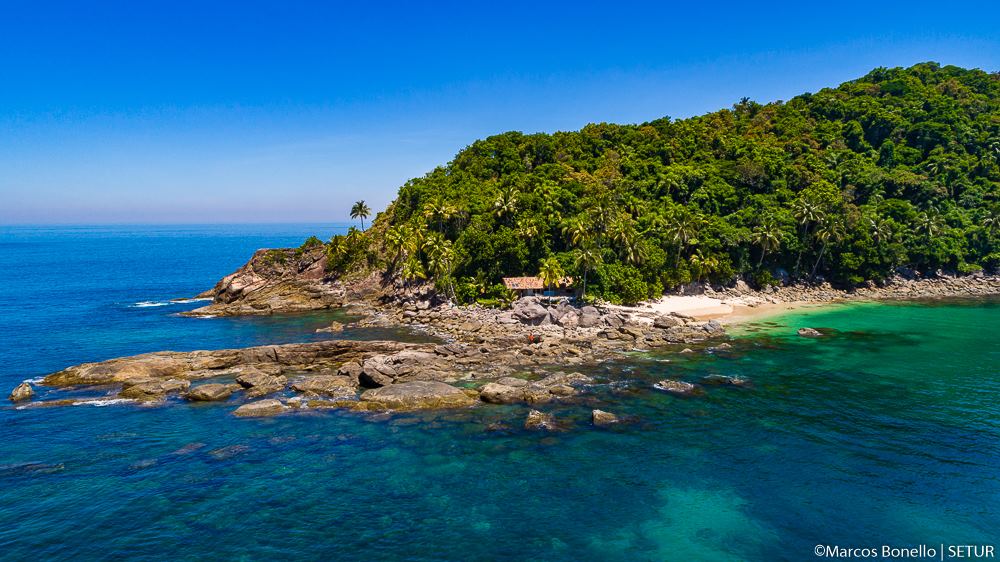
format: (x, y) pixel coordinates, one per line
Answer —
(827, 232)
(362, 211)
(439, 210)
(807, 212)
(586, 258)
(768, 236)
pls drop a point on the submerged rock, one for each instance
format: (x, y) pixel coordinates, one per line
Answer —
(22, 392)
(565, 379)
(723, 380)
(228, 452)
(678, 388)
(540, 420)
(416, 395)
(600, 417)
(260, 408)
(212, 392)
(333, 328)
(810, 333)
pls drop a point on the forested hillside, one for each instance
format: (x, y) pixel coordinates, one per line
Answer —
(900, 168)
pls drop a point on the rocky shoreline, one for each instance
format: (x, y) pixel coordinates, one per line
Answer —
(896, 288)
(524, 355)
(528, 354)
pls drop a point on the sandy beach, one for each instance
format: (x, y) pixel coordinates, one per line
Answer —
(727, 311)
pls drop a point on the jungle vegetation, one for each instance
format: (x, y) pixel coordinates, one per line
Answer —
(897, 169)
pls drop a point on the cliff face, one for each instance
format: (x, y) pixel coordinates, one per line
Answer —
(275, 280)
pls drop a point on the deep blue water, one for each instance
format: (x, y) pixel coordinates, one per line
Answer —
(885, 432)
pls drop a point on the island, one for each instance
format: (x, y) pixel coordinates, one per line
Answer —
(529, 257)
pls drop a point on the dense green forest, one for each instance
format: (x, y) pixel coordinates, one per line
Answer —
(898, 169)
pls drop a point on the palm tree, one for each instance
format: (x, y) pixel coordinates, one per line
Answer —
(682, 229)
(360, 210)
(397, 242)
(551, 206)
(413, 270)
(624, 235)
(527, 229)
(879, 228)
(576, 231)
(505, 204)
(828, 231)
(551, 271)
(991, 220)
(929, 222)
(586, 258)
(633, 249)
(440, 258)
(806, 212)
(768, 237)
(438, 209)
(703, 264)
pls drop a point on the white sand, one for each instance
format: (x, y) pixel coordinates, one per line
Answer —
(696, 306)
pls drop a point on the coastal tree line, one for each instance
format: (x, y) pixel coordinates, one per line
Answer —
(897, 170)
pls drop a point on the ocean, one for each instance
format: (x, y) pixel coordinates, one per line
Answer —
(884, 432)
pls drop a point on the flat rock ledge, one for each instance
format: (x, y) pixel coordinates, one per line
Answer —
(211, 392)
(417, 395)
(261, 408)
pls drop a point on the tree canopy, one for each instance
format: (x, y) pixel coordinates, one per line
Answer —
(899, 168)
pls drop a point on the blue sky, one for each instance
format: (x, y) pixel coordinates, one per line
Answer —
(152, 112)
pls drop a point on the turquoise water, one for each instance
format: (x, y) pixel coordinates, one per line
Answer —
(886, 431)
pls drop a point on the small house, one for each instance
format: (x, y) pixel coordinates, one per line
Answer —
(530, 286)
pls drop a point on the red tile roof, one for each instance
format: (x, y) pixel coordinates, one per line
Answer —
(535, 283)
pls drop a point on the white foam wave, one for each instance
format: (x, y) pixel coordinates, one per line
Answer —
(100, 403)
(147, 304)
(186, 301)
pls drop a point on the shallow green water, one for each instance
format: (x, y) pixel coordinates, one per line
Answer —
(886, 431)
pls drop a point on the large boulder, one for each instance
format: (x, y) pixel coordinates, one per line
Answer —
(351, 369)
(810, 333)
(530, 311)
(666, 321)
(22, 392)
(569, 320)
(260, 408)
(152, 389)
(590, 317)
(713, 328)
(496, 393)
(615, 320)
(212, 392)
(374, 379)
(258, 383)
(416, 395)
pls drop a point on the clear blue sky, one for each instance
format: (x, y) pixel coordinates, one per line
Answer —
(289, 111)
